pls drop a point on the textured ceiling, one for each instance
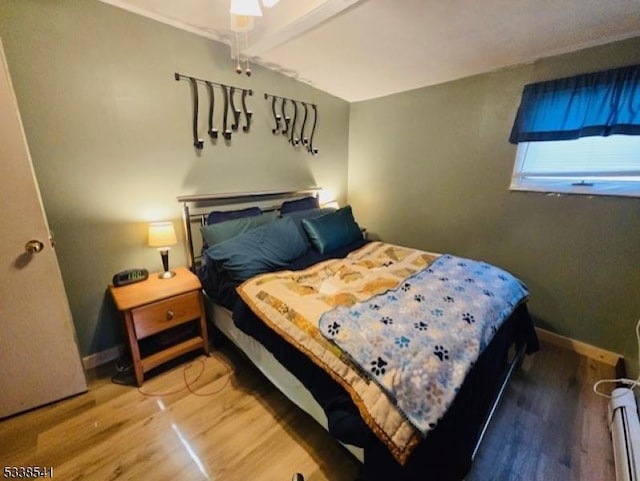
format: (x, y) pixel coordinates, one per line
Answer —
(361, 49)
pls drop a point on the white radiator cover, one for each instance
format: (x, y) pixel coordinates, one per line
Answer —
(625, 434)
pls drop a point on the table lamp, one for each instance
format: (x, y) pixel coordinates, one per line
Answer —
(162, 235)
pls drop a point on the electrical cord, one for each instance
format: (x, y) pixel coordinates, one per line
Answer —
(125, 376)
(628, 382)
(188, 384)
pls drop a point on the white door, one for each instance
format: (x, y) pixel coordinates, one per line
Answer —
(39, 358)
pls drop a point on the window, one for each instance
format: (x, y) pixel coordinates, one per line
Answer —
(589, 165)
(580, 135)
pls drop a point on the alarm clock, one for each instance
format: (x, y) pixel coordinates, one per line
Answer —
(130, 276)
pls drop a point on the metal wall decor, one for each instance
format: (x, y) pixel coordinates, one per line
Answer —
(229, 104)
(288, 126)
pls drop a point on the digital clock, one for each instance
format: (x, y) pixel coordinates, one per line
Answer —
(130, 276)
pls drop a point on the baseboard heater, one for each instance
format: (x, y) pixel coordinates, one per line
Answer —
(625, 434)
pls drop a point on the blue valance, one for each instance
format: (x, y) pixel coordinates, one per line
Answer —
(594, 104)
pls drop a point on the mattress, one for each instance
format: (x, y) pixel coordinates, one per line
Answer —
(273, 370)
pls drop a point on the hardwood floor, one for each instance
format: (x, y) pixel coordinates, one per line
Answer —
(550, 426)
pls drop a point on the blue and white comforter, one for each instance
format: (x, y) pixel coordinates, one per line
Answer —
(419, 340)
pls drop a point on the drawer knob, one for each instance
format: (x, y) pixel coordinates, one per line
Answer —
(170, 315)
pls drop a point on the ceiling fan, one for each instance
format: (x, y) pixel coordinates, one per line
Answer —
(242, 15)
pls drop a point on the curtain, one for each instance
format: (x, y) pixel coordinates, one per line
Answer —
(595, 104)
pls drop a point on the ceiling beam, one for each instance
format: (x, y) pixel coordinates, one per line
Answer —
(307, 21)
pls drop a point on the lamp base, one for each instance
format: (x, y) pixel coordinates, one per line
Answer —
(166, 275)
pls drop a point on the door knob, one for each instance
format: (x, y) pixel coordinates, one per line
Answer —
(33, 246)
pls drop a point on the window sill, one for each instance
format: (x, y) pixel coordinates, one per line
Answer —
(610, 189)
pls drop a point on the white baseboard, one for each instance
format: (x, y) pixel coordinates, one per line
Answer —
(102, 357)
(592, 352)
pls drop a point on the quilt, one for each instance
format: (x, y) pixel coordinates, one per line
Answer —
(420, 340)
(293, 303)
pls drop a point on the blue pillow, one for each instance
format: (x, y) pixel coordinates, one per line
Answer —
(221, 231)
(305, 203)
(224, 215)
(262, 249)
(299, 215)
(332, 231)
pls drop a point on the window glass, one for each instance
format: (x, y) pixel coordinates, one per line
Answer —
(588, 165)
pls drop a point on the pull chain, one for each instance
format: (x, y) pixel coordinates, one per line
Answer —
(247, 70)
(238, 67)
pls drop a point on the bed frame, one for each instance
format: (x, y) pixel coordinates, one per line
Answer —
(195, 209)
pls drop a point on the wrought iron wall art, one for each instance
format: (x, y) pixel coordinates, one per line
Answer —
(229, 103)
(197, 142)
(226, 133)
(247, 113)
(294, 130)
(212, 131)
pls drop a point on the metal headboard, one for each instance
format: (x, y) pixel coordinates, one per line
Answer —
(195, 209)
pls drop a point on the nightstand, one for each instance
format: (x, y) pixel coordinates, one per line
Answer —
(164, 318)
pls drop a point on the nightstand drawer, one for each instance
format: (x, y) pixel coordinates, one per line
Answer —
(163, 315)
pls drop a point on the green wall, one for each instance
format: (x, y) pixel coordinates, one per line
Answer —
(110, 135)
(109, 131)
(430, 168)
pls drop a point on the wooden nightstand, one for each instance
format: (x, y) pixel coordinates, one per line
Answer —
(156, 307)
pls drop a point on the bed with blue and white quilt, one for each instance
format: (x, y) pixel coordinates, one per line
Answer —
(405, 351)
(402, 331)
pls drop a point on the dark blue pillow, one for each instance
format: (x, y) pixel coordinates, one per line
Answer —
(332, 231)
(260, 250)
(221, 231)
(221, 215)
(299, 215)
(305, 203)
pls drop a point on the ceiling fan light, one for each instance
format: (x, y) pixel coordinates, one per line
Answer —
(247, 8)
(241, 23)
(269, 3)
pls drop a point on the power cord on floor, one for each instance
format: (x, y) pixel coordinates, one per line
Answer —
(126, 376)
(628, 382)
(188, 384)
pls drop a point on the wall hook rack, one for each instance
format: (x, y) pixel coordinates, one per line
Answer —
(198, 143)
(286, 125)
(212, 131)
(229, 99)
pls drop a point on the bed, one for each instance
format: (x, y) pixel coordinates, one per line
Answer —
(328, 317)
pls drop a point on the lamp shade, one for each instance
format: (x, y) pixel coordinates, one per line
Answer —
(162, 234)
(249, 8)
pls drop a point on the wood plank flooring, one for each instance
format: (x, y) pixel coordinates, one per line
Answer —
(550, 426)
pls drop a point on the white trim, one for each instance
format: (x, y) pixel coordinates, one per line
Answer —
(565, 187)
(97, 359)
